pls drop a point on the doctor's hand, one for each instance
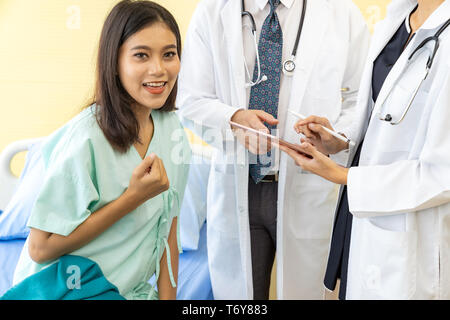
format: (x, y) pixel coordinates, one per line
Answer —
(148, 180)
(319, 164)
(254, 119)
(312, 128)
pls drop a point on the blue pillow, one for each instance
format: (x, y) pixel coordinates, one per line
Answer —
(13, 220)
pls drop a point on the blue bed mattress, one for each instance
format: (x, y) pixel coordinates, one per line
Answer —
(9, 255)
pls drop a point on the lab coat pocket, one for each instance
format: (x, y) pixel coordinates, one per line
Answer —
(387, 263)
(311, 206)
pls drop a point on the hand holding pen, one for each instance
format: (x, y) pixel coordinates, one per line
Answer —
(319, 132)
(319, 142)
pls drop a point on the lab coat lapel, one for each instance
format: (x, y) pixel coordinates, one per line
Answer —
(316, 23)
(232, 25)
(430, 27)
(231, 20)
(386, 31)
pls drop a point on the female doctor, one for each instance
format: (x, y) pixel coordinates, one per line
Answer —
(391, 237)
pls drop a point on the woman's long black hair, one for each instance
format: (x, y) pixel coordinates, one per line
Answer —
(113, 103)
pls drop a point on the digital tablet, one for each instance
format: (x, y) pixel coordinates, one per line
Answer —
(274, 140)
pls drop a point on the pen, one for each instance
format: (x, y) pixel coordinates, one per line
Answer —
(334, 134)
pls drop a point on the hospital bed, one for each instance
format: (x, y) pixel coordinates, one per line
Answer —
(11, 242)
(17, 194)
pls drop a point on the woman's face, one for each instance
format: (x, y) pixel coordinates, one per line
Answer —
(149, 65)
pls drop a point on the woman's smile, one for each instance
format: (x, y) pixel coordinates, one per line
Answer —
(155, 87)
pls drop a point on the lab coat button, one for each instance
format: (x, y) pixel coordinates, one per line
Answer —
(388, 118)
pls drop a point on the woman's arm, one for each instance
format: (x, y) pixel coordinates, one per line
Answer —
(45, 246)
(165, 289)
(148, 180)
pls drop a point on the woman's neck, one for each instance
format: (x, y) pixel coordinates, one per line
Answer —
(424, 10)
(146, 128)
(142, 115)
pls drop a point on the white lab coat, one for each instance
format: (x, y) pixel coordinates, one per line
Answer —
(331, 56)
(400, 194)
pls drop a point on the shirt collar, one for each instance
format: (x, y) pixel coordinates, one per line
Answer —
(262, 3)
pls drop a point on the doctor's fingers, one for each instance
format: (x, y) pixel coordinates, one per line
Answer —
(257, 144)
(314, 120)
(308, 140)
(314, 163)
(256, 123)
(307, 132)
(246, 139)
(310, 149)
(299, 159)
(266, 117)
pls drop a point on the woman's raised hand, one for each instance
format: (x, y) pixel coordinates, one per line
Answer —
(148, 180)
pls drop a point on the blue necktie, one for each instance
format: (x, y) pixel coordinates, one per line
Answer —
(264, 96)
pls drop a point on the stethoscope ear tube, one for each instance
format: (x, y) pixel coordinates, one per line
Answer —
(300, 28)
(422, 44)
(436, 47)
(435, 38)
(288, 65)
(252, 20)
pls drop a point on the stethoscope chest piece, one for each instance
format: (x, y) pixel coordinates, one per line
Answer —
(289, 67)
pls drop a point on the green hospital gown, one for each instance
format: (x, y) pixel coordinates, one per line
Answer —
(84, 173)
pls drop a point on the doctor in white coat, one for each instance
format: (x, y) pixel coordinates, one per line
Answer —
(212, 89)
(399, 195)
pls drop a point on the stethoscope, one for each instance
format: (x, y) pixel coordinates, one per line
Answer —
(435, 38)
(288, 65)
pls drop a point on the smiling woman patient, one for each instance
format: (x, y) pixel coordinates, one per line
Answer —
(112, 187)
